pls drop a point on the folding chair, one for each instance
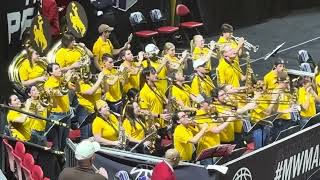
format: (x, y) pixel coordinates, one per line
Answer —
(10, 154)
(37, 173)
(27, 165)
(18, 154)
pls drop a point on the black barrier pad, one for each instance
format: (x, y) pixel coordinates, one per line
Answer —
(288, 132)
(312, 121)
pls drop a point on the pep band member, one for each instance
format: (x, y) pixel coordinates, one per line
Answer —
(201, 83)
(31, 72)
(226, 38)
(271, 79)
(174, 62)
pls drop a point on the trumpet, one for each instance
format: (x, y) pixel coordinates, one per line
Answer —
(247, 45)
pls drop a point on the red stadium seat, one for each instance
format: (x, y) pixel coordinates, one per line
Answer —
(10, 154)
(37, 173)
(27, 165)
(18, 154)
(183, 11)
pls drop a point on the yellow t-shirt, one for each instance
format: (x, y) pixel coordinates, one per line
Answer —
(136, 132)
(227, 134)
(100, 48)
(318, 84)
(209, 139)
(223, 40)
(182, 94)
(133, 79)
(26, 72)
(88, 101)
(302, 97)
(151, 100)
(114, 93)
(60, 103)
(174, 62)
(161, 84)
(202, 85)
(106, 130)
(229, 73)
(284, 97)
(21, 131)
(270, 80)
(66, 57)
(200, 53)
(181, 137)
(257, 113)
(38, 109)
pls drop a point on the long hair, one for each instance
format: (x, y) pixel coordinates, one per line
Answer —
(146, 72)
(166, 47)
(130, 115)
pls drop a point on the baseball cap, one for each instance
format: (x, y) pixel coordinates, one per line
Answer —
(198, 62)
(278, 61)
(100, 103)
(86, 149)
(103, 27)
(151, 48)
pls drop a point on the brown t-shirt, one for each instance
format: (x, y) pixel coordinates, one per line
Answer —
(77, 173)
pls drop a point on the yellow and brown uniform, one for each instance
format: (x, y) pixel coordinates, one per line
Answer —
(28, 71)
(182, 135)
(182, 94)
(202, 53)
(38, 109)
(133, 75)
(66, 57)
(229, 73)
(202, 85)
(100, 48)
(163, 83)
(88, 101)
(114, 93)
(303, 96)
(271, 80)
(135, 130)
(107, 129)
(227, 134)
(21, 131)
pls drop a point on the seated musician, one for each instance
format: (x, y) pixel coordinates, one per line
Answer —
(112, 82)
(211, 137)
(228, 70)
(174, 62)
(133, 69)
(151, 97)
(60, 105)
(271, 79)
(182, 91)
(88, 93)
(32, 69)
(199, 51)
(68, 56)
(307, 98)
(226, 38)
(226, 106)
(186, 137)
(160, 65)
(105, 127)
(37, 125)
(201, 83)
(284, 107)
(103, 45)
(18, 123)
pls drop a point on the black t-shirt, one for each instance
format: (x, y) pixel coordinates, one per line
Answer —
(77, 173)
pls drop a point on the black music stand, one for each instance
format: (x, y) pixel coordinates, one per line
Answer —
(312, 121)
(216, 151)
(268, 121)
(287, 132)
(274, 52)
(234, 154)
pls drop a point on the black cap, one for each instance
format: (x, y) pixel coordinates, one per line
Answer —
(278, 61)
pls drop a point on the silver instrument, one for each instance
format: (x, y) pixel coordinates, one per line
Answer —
(248, 45)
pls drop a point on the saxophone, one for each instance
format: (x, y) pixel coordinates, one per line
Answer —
(249, 80)
(122, 138)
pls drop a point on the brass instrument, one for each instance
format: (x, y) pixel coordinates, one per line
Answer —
(65, 79)
(247, 45)
(249, 73)
(44, 97)
(122, 138)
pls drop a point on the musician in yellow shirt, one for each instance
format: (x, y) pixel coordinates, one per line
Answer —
(32, 70)
(228, 70)
(175, 63)
(69, 55)
(271, 79)
(18, 123)
(307, 99)
(60, 106)
(133, 69)
(103, 45)
(113, 83)
(151, 97)
(201, 83)
(200, 52)
(185, 137)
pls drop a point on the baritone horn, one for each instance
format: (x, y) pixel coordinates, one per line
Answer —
(248, 45)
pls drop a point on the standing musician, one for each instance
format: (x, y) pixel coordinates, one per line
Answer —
(226, 38)
(174, 62)
(186, 137)
(132, 68)
(228, 70)
(152, 98)
(31, 70)
(60, 107)
(211, 137)
(160, 65)
(88, 93)
(37, 125)
(271, 79)
(103, 46)
(68, 56)
(200, 52)
(201, 83)
(307, 98)
(113, 82)
(19, 124)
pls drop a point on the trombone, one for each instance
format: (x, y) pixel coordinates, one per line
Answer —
(247, 45)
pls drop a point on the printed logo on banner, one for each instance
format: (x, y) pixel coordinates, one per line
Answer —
(40, 37)
(77, 19)
(142, 170)
(242, 173)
